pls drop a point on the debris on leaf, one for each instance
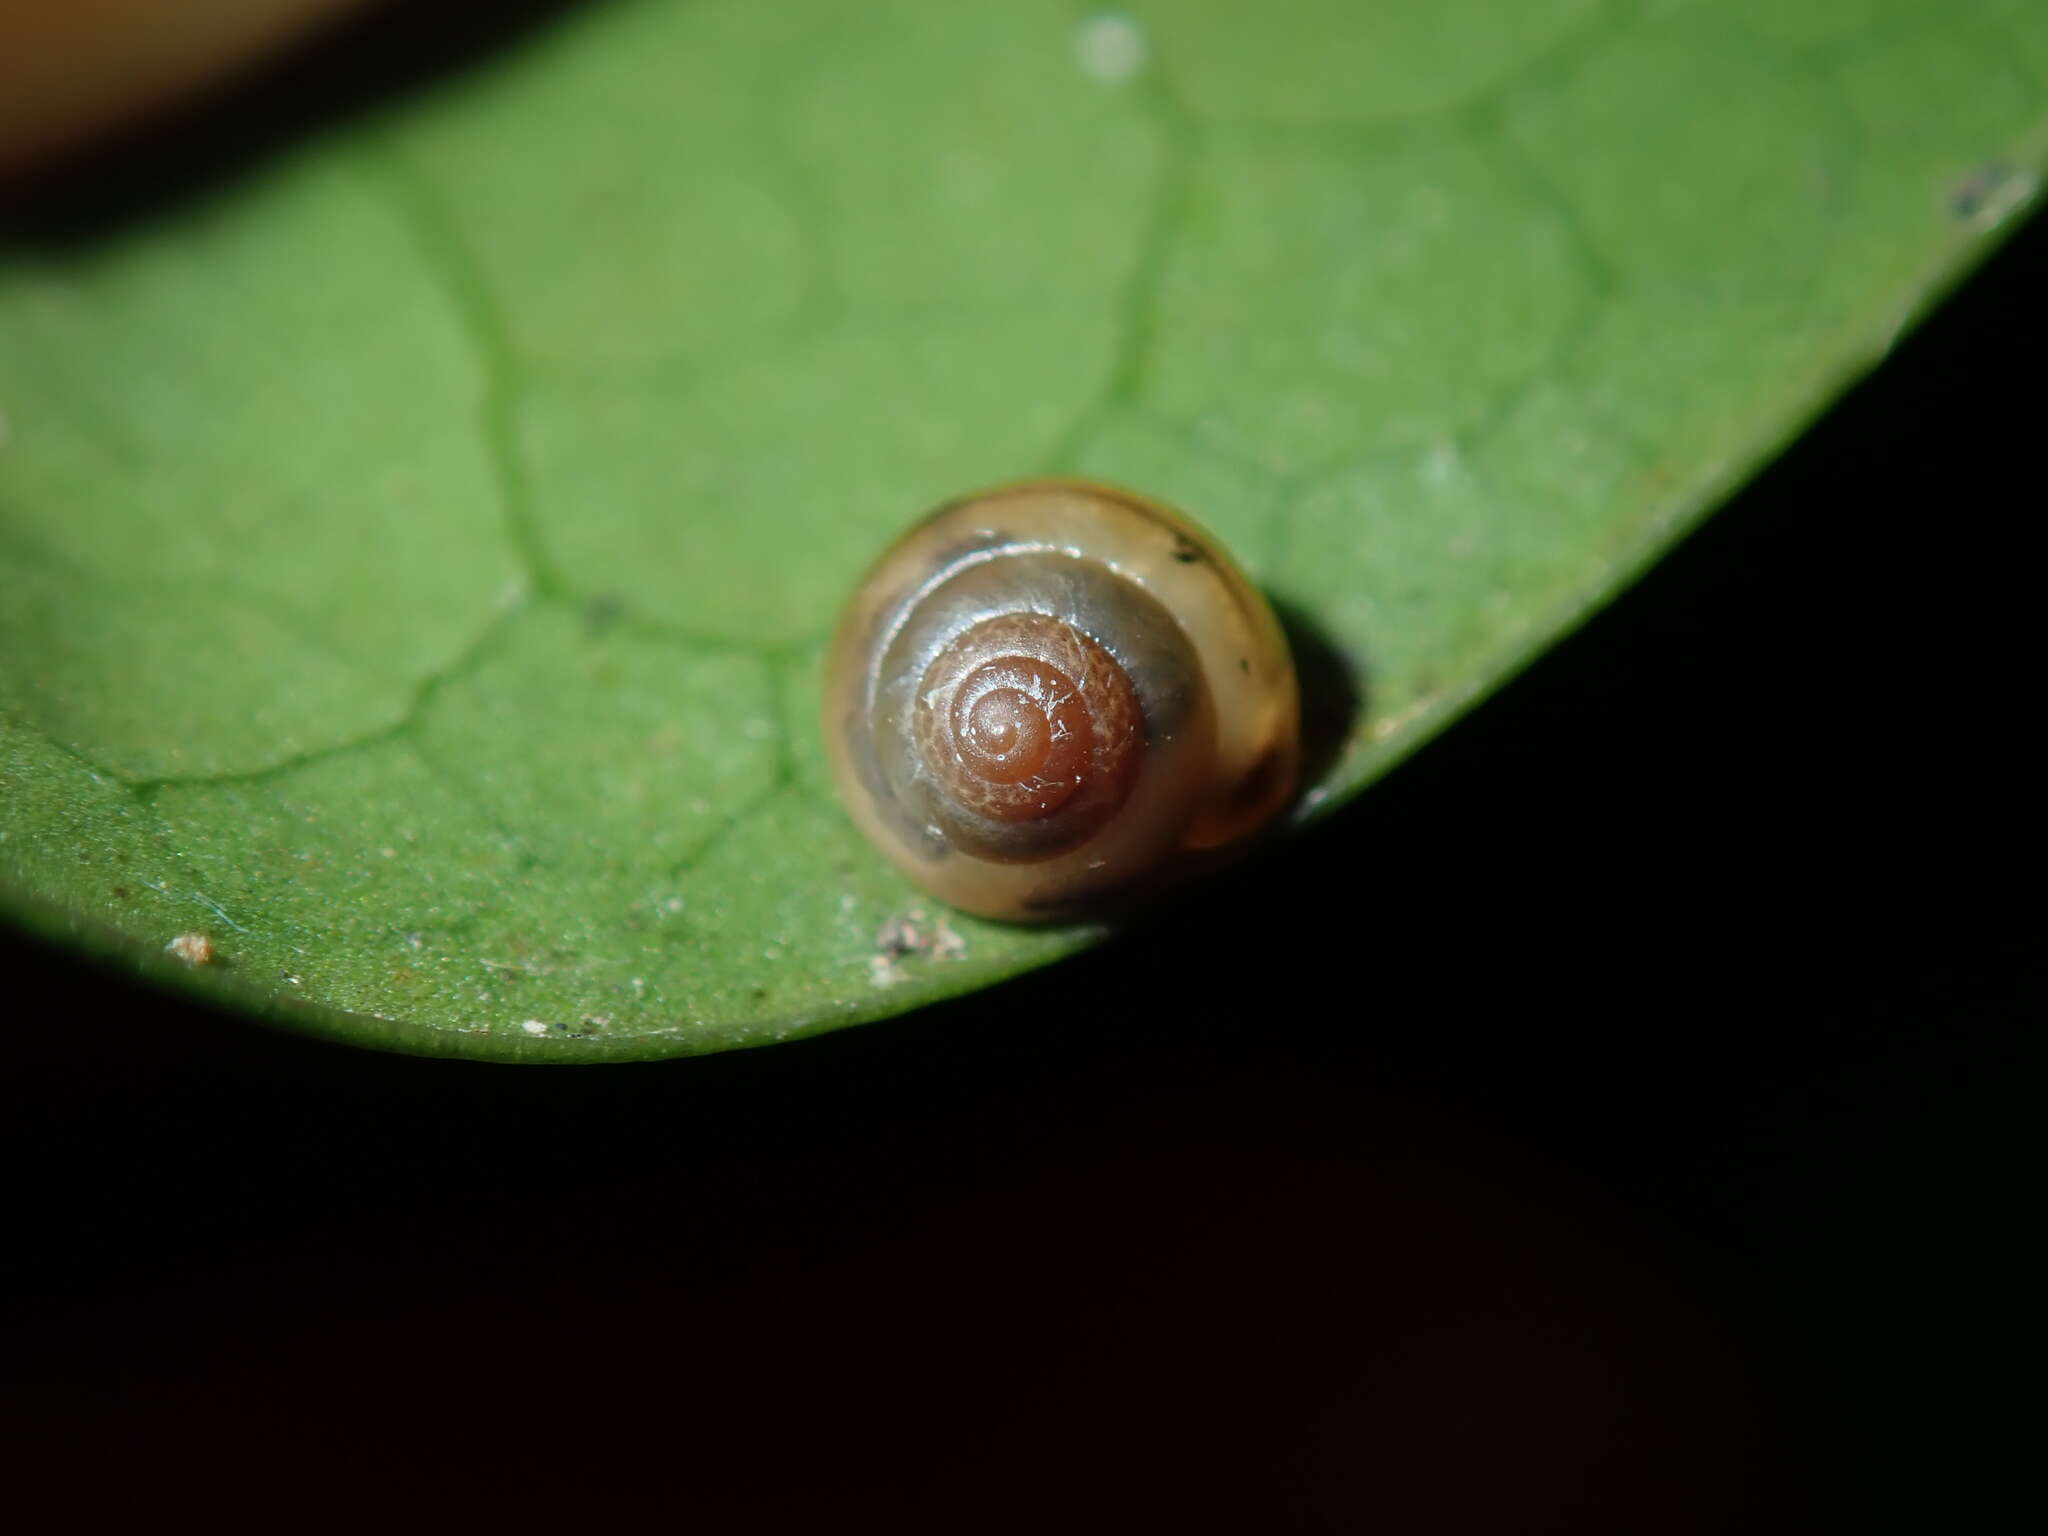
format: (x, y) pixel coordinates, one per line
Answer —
(911, 933)
(192, 948)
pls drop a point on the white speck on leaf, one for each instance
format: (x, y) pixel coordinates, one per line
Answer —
(192, 948)
(913, 934)
(534, 1027)
(1110, 47)
(899, 936)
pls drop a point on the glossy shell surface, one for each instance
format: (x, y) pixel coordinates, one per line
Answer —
(1049, 699)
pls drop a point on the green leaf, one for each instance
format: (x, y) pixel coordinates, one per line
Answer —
(416, 556)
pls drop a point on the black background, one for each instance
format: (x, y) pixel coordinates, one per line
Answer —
(1625, 1117)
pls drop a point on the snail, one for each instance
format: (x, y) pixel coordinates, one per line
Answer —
(1054, 697)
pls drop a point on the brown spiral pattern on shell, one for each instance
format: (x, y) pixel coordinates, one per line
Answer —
(1049, 699)
(1022, 717)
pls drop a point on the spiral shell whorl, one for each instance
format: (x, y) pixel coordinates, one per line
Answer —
(1016, 637)
(1049, 698)
(1023, 717)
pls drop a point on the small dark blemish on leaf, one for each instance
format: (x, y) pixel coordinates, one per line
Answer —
(899, 936)
(1987, 193)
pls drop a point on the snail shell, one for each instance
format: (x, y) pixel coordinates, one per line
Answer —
(1052, 696)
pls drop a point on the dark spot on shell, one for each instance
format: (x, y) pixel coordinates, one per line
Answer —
(1184, 551)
